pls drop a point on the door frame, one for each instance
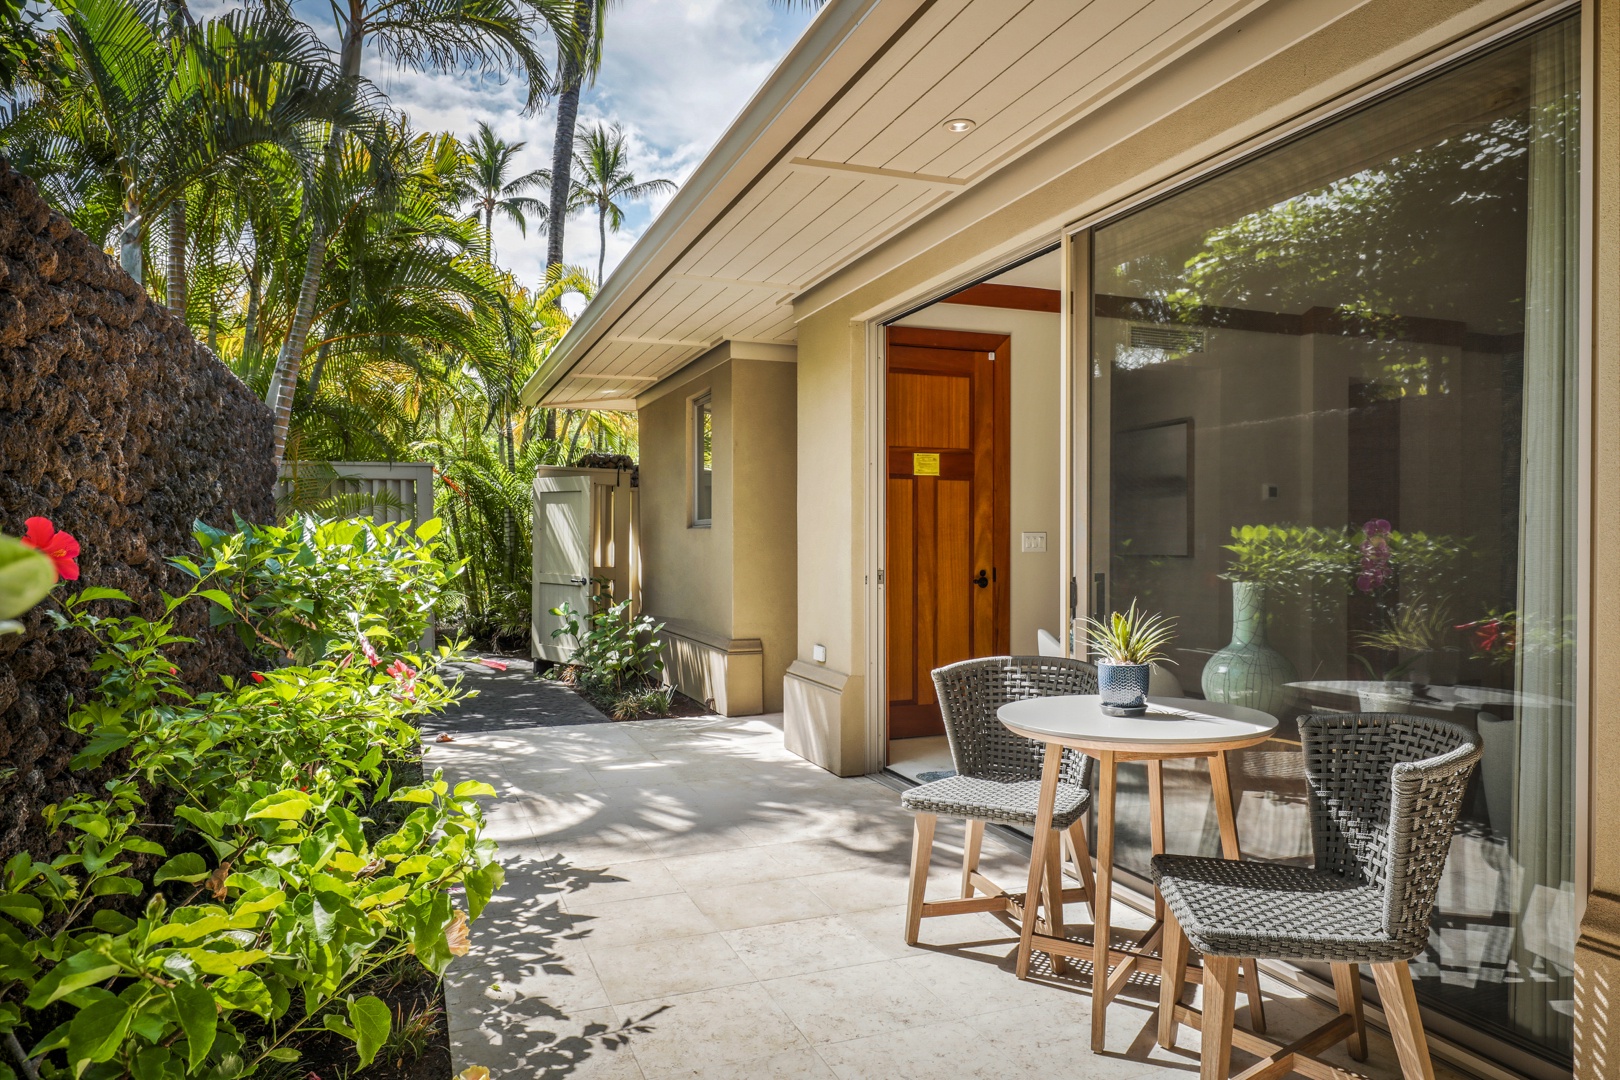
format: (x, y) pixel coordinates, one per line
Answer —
(1001, 558)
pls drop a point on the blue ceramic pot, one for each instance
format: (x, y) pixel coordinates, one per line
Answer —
(1123, 687)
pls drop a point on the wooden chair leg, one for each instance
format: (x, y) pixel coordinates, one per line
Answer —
(1220, 997)
(922, 852)
(1172, 978)
(1347, 985)
(970, 854)
(1251, 987)
(1080, 851)
(1399, 1000)
(1054, 895)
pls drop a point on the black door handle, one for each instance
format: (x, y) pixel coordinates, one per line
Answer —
(983, 580)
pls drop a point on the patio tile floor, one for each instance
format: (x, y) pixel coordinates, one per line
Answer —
(716, 907)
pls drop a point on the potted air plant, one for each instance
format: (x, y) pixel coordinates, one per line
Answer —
(1126, 645)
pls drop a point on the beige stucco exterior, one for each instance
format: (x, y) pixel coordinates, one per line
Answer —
(1215, 100)
(725, 590)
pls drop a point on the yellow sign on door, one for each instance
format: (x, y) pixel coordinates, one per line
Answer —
(925, 464)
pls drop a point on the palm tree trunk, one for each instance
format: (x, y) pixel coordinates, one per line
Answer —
(175, 287)
(562, 145)
(250, 329)
(601, 244)
(129, 242)
(551, 425)
(284, 381)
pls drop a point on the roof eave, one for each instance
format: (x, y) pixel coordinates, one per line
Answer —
(803, 77)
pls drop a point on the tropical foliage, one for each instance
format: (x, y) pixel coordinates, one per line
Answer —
(259, 854)
(338, 258)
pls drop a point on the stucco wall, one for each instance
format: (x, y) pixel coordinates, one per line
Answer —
(1037, 588)
(734, 580)
(686, 571)
(765, 519)
(123, 430)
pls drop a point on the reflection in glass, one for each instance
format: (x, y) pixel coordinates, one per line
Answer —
(702, 461)
(1366, 338)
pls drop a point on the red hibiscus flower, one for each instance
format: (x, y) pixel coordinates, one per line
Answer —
(60, 546)
(255, 676)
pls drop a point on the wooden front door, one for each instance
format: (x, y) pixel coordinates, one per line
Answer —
(946, 575)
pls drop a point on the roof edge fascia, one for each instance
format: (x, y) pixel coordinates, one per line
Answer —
(798, 74)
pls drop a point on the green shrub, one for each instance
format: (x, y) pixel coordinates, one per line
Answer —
(296, 866)
(638, 703)
(310, 586)
(617, 652)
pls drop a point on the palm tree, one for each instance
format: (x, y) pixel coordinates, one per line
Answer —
(125, 110)
(578, 64)
(606, 181)
(489, 159)
(424, 35)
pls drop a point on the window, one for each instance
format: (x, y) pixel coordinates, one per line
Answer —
(1364, 344)
(702, 461)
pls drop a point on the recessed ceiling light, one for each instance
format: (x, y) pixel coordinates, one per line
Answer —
(959, 125)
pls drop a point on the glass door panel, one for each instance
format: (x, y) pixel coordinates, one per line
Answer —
(1332, 397)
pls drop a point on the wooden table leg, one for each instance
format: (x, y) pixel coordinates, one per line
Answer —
(1155, 778)
(1107, 781)
(1045, 806)
(1220, 782)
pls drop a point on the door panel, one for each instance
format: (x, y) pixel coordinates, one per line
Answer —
(562, 557)
(947, 516)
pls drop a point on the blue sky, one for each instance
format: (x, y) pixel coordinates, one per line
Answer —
(674, 74)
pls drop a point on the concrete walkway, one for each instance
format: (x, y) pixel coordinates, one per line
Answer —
(685, 898)
(514, 698)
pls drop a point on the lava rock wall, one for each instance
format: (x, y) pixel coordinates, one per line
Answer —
(123, 430)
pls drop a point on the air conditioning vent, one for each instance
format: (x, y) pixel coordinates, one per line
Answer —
(1171, 339)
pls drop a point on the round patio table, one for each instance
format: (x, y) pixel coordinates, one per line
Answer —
(1171, 728)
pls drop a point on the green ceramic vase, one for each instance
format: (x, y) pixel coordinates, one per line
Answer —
(1248, 671)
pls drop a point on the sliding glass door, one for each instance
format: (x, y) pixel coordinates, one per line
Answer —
(1332, 431)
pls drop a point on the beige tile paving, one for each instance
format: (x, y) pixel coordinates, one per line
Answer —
(687, 899)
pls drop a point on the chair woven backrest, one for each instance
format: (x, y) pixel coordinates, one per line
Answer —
(1385, 791)
(971, 691)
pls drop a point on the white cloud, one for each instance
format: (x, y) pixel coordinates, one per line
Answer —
(675, 73)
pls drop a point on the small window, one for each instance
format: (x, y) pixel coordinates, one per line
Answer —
(702, 461)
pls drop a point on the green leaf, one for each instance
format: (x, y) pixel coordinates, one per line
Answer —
(281, 806)
(219, 597)
(82, 969)
(282, 1053)
(112, 922)
(98, 592)
(468, 788)
(371, 1020)
(26, 577)
(481, 885)
(429, 529)
(116, 886)
(22, 907)
(96, 1033)
(188, 867)
(199, 1019)
(98, 748)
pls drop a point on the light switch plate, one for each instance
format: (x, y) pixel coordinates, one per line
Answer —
(819, 654)
(1034, 541)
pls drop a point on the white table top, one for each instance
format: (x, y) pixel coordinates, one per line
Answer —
(1168, 722)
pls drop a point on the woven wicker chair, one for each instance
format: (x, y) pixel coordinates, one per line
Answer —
(998, 778)
(1384, 792)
